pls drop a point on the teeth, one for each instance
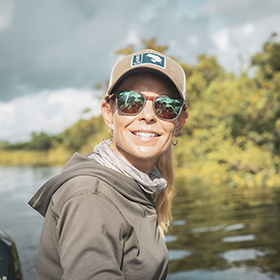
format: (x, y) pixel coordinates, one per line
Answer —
(146, 134)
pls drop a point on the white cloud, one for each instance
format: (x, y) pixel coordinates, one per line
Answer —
(57, 44)
(248, 29)
(193, 40)
(132, 38)
(240, 28)
(69, 44)
(48, 111)
(221, 40)
(6, 13)
(240, 11)
(235, 44)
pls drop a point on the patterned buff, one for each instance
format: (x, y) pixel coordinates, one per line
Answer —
(153, 183)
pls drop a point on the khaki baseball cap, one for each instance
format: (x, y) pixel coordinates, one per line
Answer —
(152, 60)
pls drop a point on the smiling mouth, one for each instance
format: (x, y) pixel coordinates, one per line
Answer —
(145, 134)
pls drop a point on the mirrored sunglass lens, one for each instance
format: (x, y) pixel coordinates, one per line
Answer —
(167, 108)
(130, 102)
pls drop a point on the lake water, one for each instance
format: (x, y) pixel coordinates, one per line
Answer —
(218, 233)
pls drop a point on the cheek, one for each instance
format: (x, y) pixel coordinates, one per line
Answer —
(171, 132)
(120, 124)
(170, 128)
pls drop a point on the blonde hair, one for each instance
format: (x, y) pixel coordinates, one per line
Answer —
(163, 201)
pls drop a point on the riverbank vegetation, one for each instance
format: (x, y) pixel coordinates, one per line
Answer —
(232, 135)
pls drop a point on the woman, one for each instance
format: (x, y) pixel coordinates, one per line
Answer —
(106, 213)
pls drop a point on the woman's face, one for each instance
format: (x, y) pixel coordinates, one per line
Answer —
(141, 139)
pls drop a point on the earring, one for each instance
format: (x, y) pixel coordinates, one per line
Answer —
(111, 132)
(176, 142)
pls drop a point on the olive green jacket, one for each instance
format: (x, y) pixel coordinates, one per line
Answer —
(99, 224)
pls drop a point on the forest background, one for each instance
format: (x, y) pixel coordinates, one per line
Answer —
(232, 135)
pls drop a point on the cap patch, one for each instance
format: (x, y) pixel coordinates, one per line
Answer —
(148, 58)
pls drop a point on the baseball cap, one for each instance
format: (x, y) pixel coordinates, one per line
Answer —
(148, 60)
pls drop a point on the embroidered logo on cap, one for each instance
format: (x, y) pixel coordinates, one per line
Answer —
(148, 58)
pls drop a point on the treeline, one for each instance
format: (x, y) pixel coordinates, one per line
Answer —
(44, 149)
(232, 135)
(73, 138)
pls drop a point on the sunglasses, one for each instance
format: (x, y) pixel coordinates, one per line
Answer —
(166, 108)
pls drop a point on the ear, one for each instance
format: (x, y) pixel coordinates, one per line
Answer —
(107, 113)
(181, 121)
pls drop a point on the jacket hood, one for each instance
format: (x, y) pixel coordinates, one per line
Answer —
(80, 165)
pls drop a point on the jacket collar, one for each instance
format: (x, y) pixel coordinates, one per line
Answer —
(80, 165)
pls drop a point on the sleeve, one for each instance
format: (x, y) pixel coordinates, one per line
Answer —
(91, 238)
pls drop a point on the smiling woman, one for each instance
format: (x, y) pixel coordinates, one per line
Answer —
(106, 213)
(141, 135)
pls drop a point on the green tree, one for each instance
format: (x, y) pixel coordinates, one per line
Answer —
(74, 137)
(268, 61)
(40, 142)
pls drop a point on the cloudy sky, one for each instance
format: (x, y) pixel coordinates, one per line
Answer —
(53, 52)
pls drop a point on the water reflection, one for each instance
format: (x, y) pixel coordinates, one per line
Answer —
(178, 254)
(242, 255)
(240, 273)
(218, 231)
(239, 238)
(22, 223)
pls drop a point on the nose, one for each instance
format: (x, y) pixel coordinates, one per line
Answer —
(148, 113)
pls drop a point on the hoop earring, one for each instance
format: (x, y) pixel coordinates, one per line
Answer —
(176, 142)
(111, 132)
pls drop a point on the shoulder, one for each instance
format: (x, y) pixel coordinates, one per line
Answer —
(76, 185)
(79, 186)
(86, 194)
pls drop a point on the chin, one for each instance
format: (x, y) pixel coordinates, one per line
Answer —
(148, 153)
